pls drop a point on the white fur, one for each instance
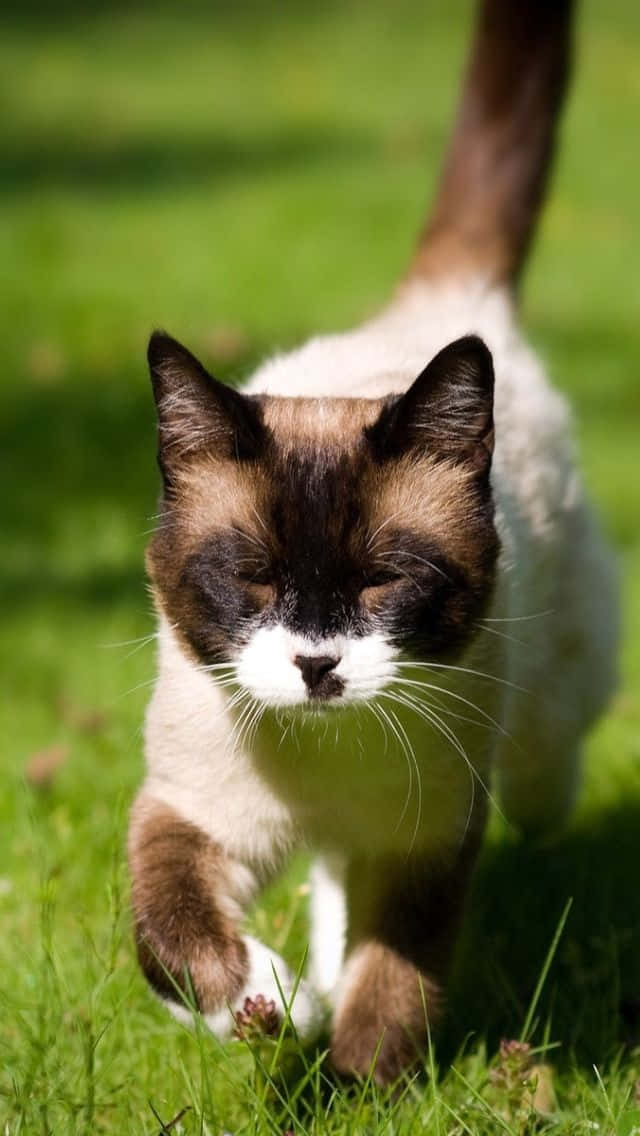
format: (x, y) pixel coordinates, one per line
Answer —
(328, 925)
(266, 667)
(270, 976)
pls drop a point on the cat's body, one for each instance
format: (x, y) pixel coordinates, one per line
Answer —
(364, 718)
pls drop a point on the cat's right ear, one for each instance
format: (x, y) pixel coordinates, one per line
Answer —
(197, 413)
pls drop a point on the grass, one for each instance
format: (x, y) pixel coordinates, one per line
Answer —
(246, 176)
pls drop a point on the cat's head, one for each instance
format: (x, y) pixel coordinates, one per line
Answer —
(310, 544)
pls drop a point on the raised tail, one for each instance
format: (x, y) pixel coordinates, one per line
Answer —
(497, 166)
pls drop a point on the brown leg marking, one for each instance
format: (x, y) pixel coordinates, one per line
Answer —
(384, 1013)
(183, 908)
(403, 922)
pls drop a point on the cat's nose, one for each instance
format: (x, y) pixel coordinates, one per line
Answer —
(315, 667)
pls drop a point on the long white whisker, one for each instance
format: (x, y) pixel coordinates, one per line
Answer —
(431, 716)
(243, 732)
(501, 635)
(518, 618)
(411, 754)
(405, 751)
(244, 700)
(436, 704)
(459, 698)
(253, 729)
(465, 670)
(431, 719)
(259, 519)
(251, 537)
(128, 642)
(374, 710)
(387, 521)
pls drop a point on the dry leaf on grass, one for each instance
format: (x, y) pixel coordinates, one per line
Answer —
(41, 767)
(539, 1095)
(89, 720)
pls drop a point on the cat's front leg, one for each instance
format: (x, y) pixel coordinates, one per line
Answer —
(403, 919)
(188, 901)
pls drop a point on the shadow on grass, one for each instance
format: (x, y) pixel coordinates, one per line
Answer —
(79, 473)
(591, 999)
(74, 445)
(82, 163)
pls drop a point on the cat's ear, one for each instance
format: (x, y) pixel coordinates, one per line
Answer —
(447, 411)
(197, 412)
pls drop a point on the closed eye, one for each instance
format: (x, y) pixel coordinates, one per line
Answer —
(381, 577)
(257, 575)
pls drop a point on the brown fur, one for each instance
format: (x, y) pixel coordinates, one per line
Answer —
(435, 499)
(425, 496)
(403, 922)
(326, 422)
(182, 916)
(386, 1012)
(497, 166)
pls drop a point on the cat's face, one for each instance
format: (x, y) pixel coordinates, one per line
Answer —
(309, 544)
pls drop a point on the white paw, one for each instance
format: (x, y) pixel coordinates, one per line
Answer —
(304, 1009)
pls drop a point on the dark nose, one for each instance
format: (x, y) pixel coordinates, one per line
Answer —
(315, 667)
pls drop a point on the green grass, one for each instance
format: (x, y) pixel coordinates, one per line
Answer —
(245, 175)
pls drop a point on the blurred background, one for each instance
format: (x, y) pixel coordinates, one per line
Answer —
(244, 175)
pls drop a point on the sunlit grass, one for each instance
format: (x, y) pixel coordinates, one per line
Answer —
(246, 176)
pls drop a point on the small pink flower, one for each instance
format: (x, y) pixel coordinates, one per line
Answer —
(257, 1018)
(513, 1065)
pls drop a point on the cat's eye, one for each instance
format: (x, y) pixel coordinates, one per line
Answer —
(381, 577)
(260, 576)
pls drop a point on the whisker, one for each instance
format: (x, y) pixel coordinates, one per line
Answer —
(128, 642)
(405, 751)
(433, 718)
(374, 710)
(437, 705)
(420, 559)
(459, 698)
(411, 754)
(466, 670)
(259, 518)
(251, 537)
(501, 634)
(387, 521)
(242, 719)
(137, 687)
(518, 618)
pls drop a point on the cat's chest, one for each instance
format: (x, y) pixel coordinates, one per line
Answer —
(377, 781)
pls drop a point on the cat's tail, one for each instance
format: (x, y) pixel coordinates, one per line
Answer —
(497, 165)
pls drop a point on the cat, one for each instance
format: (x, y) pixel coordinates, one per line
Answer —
(376, 586)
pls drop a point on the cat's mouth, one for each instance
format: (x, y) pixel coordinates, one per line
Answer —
(333, 695)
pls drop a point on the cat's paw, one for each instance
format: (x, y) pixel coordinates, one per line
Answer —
(367, 1045)
(262, 1004)
(380, 1025)
(268, 995)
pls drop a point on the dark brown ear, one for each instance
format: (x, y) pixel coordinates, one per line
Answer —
(447, 411)
(195, 411)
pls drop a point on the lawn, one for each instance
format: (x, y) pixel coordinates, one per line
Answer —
(246, 175)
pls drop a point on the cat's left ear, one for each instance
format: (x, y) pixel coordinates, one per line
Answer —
(447, 411)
